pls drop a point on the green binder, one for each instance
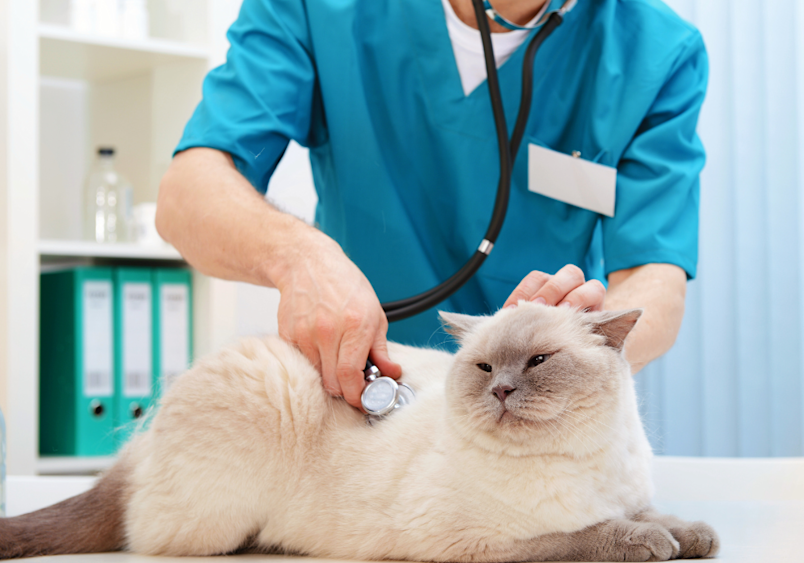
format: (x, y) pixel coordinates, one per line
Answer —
(173, 324)
(133, 347)
(76, 398)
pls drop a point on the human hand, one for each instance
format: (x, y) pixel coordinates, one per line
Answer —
(567, 288)
(329, 310)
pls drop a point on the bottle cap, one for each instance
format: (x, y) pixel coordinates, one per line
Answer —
(106, 151)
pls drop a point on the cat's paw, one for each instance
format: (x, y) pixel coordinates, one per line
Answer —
(695, 539)
(647, 542)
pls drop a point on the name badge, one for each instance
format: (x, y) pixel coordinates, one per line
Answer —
(572, 180)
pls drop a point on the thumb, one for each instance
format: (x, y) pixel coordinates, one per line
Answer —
(379, 356)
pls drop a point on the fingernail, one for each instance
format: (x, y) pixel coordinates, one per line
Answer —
(540, 301)
(565, 305)
(510, 306)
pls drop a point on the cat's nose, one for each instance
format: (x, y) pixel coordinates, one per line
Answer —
(502, 392)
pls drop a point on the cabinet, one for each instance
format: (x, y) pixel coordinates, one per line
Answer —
(63, 93)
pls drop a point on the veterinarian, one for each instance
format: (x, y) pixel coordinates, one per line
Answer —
(390, 97)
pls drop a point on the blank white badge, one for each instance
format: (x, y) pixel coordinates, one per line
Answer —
(572, 180)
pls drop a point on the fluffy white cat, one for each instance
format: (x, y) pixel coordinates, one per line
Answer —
(526, 445)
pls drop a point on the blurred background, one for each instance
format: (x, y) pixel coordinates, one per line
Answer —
(733, 384)
(77, 76)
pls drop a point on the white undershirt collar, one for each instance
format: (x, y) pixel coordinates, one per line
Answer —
(468, 47)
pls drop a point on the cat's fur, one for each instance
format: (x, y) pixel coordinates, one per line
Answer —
(247, 450)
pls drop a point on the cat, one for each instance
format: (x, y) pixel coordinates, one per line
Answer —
(525, 445)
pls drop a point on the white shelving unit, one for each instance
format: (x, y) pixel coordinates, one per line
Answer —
(73, 465)
(62, 94)
(87, 249)
(67, 53)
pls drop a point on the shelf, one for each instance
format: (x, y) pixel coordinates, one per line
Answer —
(47, 465)
(65, 53)
(134, 95)
(87, 249)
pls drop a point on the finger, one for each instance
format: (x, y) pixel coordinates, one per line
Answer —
(328, 338)
(351, 363)
(567, 279)
(379, 355)
(528, 287)
(329, 369)
(304, 344)
(311, 352)
(589, 296)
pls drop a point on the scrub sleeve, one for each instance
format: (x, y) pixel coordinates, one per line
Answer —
(656, 215)
(261, 98)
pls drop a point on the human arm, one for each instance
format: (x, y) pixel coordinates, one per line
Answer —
(210, 206)
(225, 228)
(660, 290)
(651, 244)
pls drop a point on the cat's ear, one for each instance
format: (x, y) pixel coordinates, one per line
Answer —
(458, 325)
(615, 325)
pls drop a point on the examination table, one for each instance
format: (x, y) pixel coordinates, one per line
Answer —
(755, 505)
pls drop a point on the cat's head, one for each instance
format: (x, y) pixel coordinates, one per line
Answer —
(537, 379)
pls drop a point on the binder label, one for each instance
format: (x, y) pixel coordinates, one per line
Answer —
(98, 351)
(137, 343)
(174, 331)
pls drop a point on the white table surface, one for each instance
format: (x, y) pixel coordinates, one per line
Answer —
(750, 532)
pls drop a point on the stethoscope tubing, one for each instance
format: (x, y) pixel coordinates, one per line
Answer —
(405, 308)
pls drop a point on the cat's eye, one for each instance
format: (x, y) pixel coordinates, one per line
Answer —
(485, 367)
(536, 360)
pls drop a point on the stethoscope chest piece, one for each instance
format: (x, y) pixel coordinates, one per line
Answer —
(380, 396)
(383, 394)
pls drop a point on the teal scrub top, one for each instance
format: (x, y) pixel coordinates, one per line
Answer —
(406, 166)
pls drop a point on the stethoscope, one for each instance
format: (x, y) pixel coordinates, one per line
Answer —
(382, 394)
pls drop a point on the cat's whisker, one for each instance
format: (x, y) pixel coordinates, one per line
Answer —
(586, 429)
(555, 433)
(583, 427)
(574, 431)
(596, 425)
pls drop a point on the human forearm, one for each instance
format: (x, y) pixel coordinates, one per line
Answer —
(659, 289)
(225, 229)
(222, 225)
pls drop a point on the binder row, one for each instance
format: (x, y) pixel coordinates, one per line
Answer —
(111, 341)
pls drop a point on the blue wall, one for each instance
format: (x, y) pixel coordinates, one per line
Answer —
(733, 385)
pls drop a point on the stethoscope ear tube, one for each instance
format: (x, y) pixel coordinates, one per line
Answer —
(404, 308)
(526, 99)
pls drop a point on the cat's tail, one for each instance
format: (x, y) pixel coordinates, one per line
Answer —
(91, 522)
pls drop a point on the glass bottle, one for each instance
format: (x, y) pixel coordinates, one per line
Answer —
(2, 465)
(108, 201)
